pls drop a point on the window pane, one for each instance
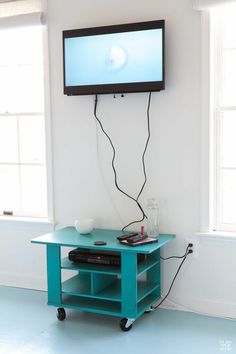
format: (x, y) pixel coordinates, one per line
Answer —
(9, 188)
(229, 37)
(28, 89)
(229, 26)
(229, 78)
(229, 196)
(32, 139)
(8, 140)
(33, 187)
(6, 74)
(228, 143)
(21, 45)
(21, 70)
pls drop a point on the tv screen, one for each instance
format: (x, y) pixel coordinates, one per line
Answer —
(114, 59)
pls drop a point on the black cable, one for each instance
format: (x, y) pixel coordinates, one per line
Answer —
(146, 145)
(173, 281)
(172, 257)
(113, 164)
(175, 257)
(143, 161)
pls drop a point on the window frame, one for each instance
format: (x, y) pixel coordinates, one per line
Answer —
(48, 141)
(210, 126)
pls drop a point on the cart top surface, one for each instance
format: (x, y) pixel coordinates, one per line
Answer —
(69, 237)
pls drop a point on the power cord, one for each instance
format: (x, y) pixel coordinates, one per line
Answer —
(146, 145)
(103, 178)
(190, 245)
(143, 160)
(114, 157)
(187, 252)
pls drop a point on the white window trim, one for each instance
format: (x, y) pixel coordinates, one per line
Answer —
(207, 217)
(205, 196)
(48, 127)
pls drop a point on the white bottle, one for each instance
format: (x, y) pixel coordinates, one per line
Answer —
(152, 218)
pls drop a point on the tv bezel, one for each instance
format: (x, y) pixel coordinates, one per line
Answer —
(119, 87)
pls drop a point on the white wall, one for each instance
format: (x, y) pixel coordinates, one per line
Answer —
(206, 283)
(21, 263)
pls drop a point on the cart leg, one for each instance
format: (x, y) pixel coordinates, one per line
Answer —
(54, 274)
(129, 284)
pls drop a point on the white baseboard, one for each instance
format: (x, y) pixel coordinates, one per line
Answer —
(23, 281)
(202, 306)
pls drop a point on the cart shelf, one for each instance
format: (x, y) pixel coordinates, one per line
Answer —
(92, 305)
(90, 268)
(81, 286)
(143, 266)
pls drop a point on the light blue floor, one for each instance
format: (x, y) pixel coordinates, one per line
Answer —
(28, 325)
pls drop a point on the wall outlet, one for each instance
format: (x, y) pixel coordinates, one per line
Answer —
(195, 247)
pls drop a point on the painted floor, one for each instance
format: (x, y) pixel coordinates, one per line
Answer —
(29, 326)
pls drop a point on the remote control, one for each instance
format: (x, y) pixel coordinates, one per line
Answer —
(137, 238)
(126, 237)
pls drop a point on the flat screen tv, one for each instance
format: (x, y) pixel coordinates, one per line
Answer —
(114, 59)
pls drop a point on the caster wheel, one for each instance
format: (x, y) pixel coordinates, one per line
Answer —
(123, 322)
(61, 314)
(148, 310)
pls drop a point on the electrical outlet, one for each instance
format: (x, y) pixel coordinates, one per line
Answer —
(194, 248)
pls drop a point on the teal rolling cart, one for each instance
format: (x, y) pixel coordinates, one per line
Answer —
(127, 291)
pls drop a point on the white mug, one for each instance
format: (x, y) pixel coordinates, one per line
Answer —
(84, 226)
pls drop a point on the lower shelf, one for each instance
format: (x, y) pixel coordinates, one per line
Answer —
(81, 286)
(92, 305)
(105, 307)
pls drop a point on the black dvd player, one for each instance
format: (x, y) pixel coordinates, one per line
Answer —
(80, 255)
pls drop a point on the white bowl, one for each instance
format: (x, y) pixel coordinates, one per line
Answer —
(84, 226)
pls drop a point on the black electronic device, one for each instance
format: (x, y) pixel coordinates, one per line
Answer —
(126, 236)
(80, 255)
(99, 243)
(136, 238)
(114, 59)
(144, 241)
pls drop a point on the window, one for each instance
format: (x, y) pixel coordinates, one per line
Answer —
(23, 181)
(223, 108)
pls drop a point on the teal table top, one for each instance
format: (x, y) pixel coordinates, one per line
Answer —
(69, 237)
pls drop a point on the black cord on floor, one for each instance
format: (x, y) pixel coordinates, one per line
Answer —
(173, 281)
(114, 156)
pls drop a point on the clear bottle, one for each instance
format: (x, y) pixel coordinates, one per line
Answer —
(152, 218)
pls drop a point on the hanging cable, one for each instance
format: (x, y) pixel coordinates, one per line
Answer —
(146, 145)
(103, 177)
(113, 165)
(143, 161)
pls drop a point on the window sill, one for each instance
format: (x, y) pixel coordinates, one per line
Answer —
(27, 221)
(217, 235)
